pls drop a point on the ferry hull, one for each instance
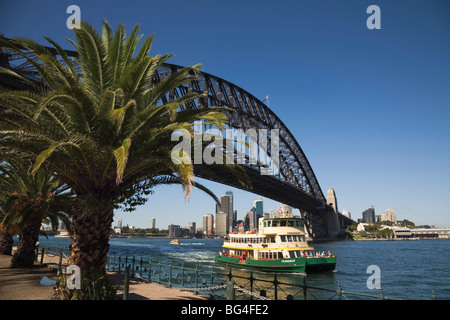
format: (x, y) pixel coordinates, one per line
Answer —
(314, 264)
(280, 265)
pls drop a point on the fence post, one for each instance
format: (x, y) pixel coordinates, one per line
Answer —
(433, 295)
(60, 262)
(159, 271)
(251, 284)
(196, 278)
(126, 283)
(339, 290)
(42, 256)
(170, 275)
(37, 252)
(230, 290)
(304, 288)
(140, 266)
(275, 283)
(182, 274)
(149, 269)
(381, 295)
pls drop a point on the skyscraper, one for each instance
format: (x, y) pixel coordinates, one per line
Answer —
(231, 219)
(253, 220)
(259, 206)
(224, 223)
(221, 224)
(369, 215)
(208, 224)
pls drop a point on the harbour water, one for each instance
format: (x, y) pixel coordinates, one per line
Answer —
(408, 269)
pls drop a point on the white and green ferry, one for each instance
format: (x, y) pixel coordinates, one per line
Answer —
(279, 245)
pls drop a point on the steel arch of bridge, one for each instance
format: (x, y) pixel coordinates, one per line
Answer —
(295, 184)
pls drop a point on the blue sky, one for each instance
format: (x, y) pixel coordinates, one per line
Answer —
(370, 108)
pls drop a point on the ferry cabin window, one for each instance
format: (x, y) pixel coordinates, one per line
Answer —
(284, 238)
(283, 223)
(270, 255)
(294, 254)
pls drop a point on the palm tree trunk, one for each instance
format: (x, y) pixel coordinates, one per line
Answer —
(6, 241)
(28, 237)
(90, 238)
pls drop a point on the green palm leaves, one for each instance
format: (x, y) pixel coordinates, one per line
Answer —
(99, 122)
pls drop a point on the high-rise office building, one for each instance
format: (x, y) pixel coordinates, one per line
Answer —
(224, 214)
(253, 220)
(208, 224)
(231, 219)
(259, 206)
(221, 224)
(369, 215)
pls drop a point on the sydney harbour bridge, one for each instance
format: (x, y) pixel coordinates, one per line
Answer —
(295, 183)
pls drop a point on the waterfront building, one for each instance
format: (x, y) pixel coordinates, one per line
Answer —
(402, 233)
(119, 223)
(369, 215)
(361, 226)
(191, 227)
(174, 231)
(152, 223)
(208, 224)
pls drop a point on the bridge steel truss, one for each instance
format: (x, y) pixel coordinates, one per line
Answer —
(294, 184)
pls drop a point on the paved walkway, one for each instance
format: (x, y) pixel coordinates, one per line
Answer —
(24, 284)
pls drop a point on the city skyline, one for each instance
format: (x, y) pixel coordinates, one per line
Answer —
(369, 108)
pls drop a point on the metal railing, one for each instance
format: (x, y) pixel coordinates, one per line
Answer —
(220, 283)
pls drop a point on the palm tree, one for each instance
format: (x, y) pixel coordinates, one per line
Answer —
(6, 234)
(101, 126)
(30, 199)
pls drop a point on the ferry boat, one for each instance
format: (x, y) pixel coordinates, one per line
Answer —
(175, 241)
(279, 245)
